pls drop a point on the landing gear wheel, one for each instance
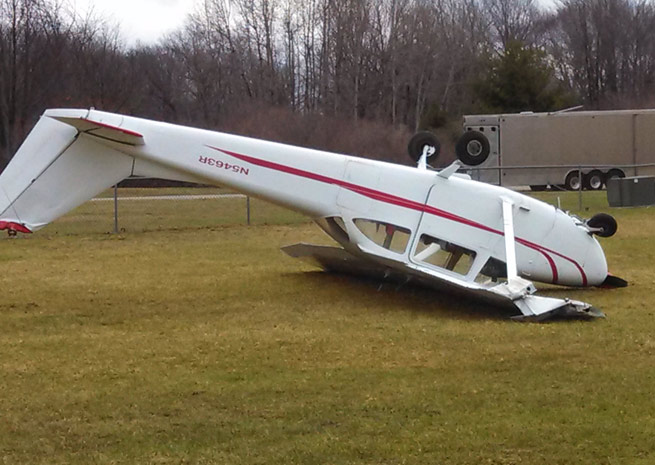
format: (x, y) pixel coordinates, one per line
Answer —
(594, 180)
(472, 148)
(572, 181)
(419, 141)
(606, 223)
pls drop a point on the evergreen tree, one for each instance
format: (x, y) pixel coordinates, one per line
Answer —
(521, 79)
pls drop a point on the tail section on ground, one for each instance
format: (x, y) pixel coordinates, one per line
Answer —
(54, 171)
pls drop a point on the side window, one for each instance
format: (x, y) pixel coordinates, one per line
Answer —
(492, 270)
(389, 236)
(443, 254)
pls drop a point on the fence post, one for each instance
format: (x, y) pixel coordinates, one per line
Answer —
(248, 209)
(115, 208)
(580, 188)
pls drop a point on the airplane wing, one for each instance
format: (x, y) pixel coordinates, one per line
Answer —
(516, 294)
(335, 259)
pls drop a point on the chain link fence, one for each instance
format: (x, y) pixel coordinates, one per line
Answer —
(141, 209)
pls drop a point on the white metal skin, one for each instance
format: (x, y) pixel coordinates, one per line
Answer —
(72, 155)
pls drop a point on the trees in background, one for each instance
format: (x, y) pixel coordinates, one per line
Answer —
(293, 70)
(605, 49)
(32, 36)
(521, 78)
(50, 58)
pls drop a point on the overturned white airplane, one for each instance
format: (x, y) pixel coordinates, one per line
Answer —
(436, 228)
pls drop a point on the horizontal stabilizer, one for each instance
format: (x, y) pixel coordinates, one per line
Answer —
(103, 130)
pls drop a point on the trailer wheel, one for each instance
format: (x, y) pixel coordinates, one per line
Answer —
(572, 181)
(594, 180)
(419, 141)
(605, 222)
(472, 148)
(614, 173)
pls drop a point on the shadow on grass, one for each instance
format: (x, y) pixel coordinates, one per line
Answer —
(419, 299)
(408, 297)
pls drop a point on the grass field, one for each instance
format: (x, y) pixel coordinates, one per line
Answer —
(190, 338)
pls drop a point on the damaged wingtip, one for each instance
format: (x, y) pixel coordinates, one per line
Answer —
(572, 311)
(594, 312)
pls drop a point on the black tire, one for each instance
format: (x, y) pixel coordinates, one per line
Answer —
(538, 187)
(419, 141)
(614, 173)
(572, 181)
(594, 180)
(472, 148)
(606, 222)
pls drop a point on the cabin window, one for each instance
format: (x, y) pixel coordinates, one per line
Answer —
(389, 236)
(493, 269)
(443, 254)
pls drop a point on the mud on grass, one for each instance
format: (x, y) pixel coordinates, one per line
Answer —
(208, 345)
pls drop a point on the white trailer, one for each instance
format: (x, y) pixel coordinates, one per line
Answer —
(554, 149)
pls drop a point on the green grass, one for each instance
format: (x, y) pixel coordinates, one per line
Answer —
(185, 341)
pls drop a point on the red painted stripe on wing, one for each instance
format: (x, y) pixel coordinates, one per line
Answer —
(402, 202)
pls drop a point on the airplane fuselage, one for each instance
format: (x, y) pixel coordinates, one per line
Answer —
(405, 218)
(552, 246)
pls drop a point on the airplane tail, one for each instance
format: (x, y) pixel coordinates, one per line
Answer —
(54, 171)
(69, 157)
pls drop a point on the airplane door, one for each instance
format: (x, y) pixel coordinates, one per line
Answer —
(455, 232)
(359, 173)
(380, 215)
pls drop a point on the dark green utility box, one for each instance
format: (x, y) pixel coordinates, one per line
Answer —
(631, 192)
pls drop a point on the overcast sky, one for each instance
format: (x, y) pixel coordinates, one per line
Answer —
(142, 21)
(146, 21)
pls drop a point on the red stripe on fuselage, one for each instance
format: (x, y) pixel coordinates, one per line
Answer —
(402, 202)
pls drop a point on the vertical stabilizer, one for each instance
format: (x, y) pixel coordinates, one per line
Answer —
(54, 171)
